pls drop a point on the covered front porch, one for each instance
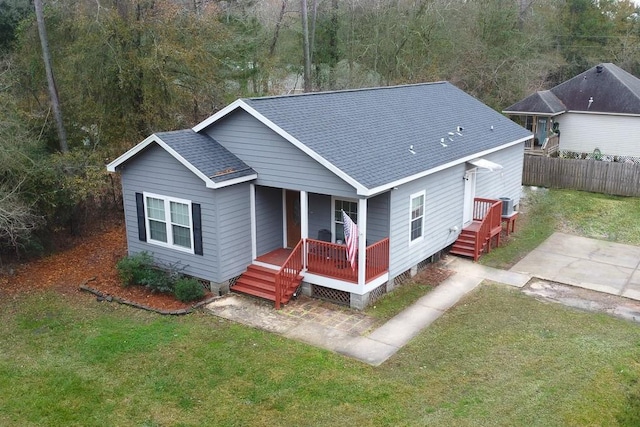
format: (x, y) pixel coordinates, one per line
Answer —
(298, 236)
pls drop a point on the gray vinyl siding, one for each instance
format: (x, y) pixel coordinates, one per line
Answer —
(277, 162)
(269, 217)
(155, 171)
(506, 182)
(320, 212)
(234, 229)
(444, 193)
(378, 218)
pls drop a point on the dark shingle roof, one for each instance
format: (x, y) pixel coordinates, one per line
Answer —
(611, 89)
(368, 133)
(544, 102)
(206, 155)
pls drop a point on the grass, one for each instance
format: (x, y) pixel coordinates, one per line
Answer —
(497, 358)
(394, 302)
(592, 215)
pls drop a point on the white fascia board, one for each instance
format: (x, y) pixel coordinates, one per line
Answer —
(281, 132)
(385, 187)
(111, 167)
(532, 113)
(214, 118)
(600, 113)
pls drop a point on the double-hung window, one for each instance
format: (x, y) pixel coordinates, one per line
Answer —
(416, 220)
(351, 209)
(169, 221)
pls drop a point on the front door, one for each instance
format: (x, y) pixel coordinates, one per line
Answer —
(293, 218)
(469, 195)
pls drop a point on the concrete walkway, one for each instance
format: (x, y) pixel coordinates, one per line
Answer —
(382, 342)
(602, 266)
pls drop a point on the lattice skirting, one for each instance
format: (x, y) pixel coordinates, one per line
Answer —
(377, 293)
(332, 295)
(233, 281)
(402, 278)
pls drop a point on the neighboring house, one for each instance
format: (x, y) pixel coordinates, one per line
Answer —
(265, 176)
(597, 111)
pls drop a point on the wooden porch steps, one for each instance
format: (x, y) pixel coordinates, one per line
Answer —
(260, 282)
(465, 245)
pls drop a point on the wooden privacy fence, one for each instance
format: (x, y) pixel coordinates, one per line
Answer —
(620, 179)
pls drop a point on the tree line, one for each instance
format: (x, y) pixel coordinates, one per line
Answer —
(127, 68)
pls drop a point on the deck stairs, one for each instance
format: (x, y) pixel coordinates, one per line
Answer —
(467, 242)
(259, 281)
(477, 237)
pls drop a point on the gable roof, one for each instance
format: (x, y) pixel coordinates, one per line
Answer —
(381, 137)
(605, 88)
(543, 103)
(200, 153)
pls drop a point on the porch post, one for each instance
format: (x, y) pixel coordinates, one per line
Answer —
(362, 242)
(252, 207)
(304, 224)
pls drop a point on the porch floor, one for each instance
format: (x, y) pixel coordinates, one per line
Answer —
(275, 257)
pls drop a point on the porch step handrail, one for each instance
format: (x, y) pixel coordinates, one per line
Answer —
(489, 213)
(289, 273)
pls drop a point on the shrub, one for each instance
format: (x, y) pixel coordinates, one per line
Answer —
(133, 269)
(188, 289)
(157, 280)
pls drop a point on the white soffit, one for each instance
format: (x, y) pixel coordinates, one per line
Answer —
(486, 164)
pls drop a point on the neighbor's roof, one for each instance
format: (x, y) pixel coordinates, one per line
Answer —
(543, 103)
(380, 137)
(605, 88)
(200, 153)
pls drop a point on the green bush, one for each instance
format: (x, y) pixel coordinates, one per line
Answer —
(188, 289)
(133, 269)
(157, 280)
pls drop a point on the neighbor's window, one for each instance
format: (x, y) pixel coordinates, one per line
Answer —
(169, 221)
(417, 215)
(351, 209)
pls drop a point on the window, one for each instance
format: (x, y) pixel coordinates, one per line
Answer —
(351, 209)
(169, 221)
(417, 216)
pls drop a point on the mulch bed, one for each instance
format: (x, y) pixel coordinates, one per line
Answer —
(90, 258)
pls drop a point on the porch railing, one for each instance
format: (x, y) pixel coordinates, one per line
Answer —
(489, 213)
(288, 273)
(330, 259)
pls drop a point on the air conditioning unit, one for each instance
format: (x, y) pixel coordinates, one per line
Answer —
(507, 206)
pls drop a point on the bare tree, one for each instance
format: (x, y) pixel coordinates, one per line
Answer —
(305, 46)
(53, 91)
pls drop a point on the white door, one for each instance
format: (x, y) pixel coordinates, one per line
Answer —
(469, 195)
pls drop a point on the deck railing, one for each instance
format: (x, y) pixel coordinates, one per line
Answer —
(489, 213)
(288, 273)
(330, 259)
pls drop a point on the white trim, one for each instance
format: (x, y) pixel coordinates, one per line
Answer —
(277, 129)
(264, 264)
(284, 218)
(328, 282)
(304, 215)
(362, 242)
(533, 113)
(422, 193)
(167, 221)
(380, 189)
(602, 113)
(252, 211)
(111, 167)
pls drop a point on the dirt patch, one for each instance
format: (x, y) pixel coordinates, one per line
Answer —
(433, 274)
(91, 257)
(584, 299)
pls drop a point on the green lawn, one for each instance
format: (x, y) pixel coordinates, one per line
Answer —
(499, 358)
(598, 216)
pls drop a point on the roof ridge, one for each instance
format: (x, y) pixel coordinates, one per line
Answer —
(363, 89)
(614, 72)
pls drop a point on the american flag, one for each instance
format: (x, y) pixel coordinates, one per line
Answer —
(351, 239)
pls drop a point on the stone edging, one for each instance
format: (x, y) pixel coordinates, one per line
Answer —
(106, 297)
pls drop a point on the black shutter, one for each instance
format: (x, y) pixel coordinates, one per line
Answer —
(197, 228)
(142, 228)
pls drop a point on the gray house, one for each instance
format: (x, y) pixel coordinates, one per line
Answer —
(258, 189)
